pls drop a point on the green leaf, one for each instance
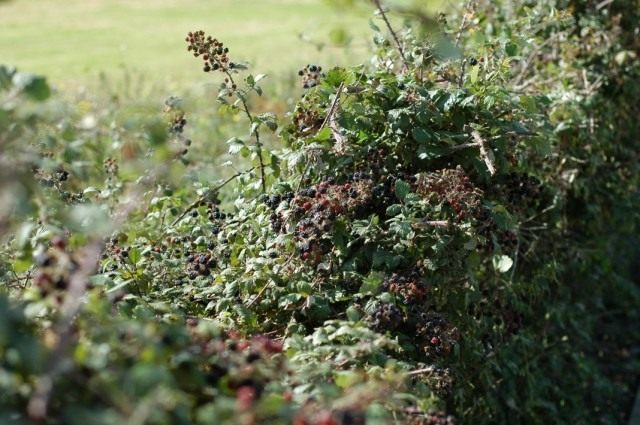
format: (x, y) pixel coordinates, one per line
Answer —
(502, 263)
(393, 210)
(352, 314)
(134, 255)
(528, 103)
(235, 145)
(511, 49)
(269, 119)
(420, 135)
(473, 74)
(323, 135)
(346, 379)
(402, 189)
(371, 283)
(33, 86)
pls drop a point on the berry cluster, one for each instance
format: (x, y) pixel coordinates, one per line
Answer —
(307, 121)
(52, 179)
(435, 332)
(110, 166)
(409, 288)
(213, 52)
(241, 365)
(386, 317)
(455, 188)
(200, 264)
(61, 175)
(313, 211)
(55, 266)
(311, 75)
(384, 192)
(177, 123)
(214, 214)
(485, 225)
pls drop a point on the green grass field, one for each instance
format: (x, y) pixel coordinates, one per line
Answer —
(72, 41)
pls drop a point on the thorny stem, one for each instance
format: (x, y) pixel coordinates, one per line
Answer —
(256, 132)
(485, 152)
(463, 24)
(332, 110)
(201, 198)
(393, 33)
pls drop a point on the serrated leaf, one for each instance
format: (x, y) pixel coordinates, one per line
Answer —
(402, 189)
(420, 135)
(371, 283)
(393, 210)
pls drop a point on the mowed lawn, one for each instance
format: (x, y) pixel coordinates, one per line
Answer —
(72, 41)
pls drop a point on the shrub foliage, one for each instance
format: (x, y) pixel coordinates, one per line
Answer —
(442, 236)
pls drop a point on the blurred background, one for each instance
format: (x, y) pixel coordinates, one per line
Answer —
(73, 42)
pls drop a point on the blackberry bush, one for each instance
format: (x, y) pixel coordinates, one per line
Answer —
(431, 239)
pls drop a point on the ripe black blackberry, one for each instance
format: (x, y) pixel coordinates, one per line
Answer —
(386, 317)
(311, 75)
(214, 54)
(61, 175)
(200, 264)
(350, 417)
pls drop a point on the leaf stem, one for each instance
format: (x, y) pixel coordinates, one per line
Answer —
(256, 131)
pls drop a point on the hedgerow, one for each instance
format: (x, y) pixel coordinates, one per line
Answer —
(442, 236)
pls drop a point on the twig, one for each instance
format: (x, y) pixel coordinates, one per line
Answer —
(393, 33)
(434, 223)
(201, 198)
(485, 152)
(463, 25)
(603, 4)
(515, 257)
(333, 107)
(259, 295)
(256, 132)
(87, 264)
(544, 211)
(532, 55)
(426, 370)
(327, 119)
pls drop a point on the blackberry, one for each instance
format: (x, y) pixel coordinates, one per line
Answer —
(350, 417)
(387, 317)
(311, 75)
(253, 357)
(215, 374)
(409, 288)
